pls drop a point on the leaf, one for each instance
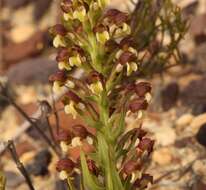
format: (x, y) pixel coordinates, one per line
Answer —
(127, 184)
(113, 181)
(104, 108)
(90, 181)
(121, 125)
(89, 121)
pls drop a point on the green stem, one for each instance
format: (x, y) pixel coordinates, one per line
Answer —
(71, 187)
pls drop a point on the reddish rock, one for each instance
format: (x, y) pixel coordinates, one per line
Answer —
(15, 52)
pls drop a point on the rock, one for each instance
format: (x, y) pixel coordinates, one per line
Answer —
(197, 28)
(201, 135)
(40, 164)
(165, 136)
(199, 167)
(32, 70)
(18, 16)
(13, 179)
(198, 185)
(14, 4)
(189, 7)
(22, 33)
(31, 47)
(21, 187)
(40, 8)
(37, 170)
(169, 96)
(197, 123)
(193, 95)
(162, 156)
(184, 120)
(25, 147)
(182, 143)
(198, 58)
(4, 30)
(43, 156)
(29, 96)
(27, 157)
(8, 118)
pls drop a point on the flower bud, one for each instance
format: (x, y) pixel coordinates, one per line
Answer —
(63, 55)
(129, 87)
(77, 50)
(93, 77)
(130, 167)
(146, 144)
(127, 42)
(138, 104)
(139, 133)
(127, 57)
(80, 131)
(142, 88)
(92, 167)
(59, 29)
(65, 165)
(63, 136)
(144, 181)
(120, 18)
(58, 76)
(66, 6)
(111, 45)
(72, 96)
(115, 16)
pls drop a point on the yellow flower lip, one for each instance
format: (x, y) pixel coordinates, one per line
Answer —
(119, 68)
(131, 67)
(56, 87)
(76, 141)
(67, 16)
(80, 13)
(63, 175)
(96, 87)
(70, 109)
(64, 146)
(122, 31)
(63, 65)
(75, 61)
(58, 41)
(102, 37)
